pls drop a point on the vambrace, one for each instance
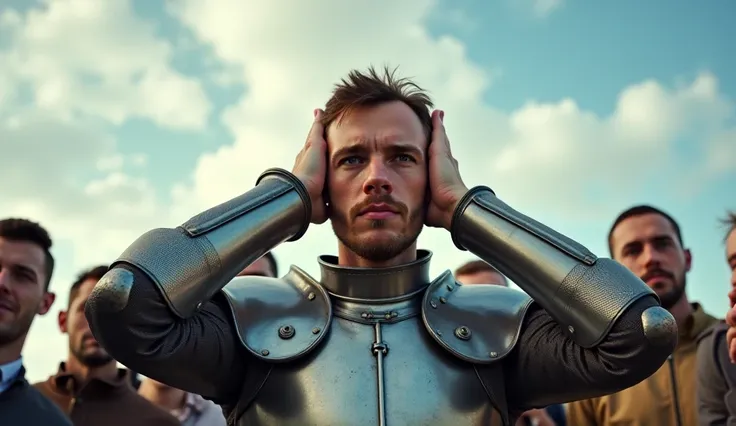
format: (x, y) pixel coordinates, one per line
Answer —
(192, 262)
(585, 294)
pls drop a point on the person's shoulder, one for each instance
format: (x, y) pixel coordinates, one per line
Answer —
(152, 413)
(38, 406)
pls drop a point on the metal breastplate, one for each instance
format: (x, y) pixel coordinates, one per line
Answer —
(377, 363)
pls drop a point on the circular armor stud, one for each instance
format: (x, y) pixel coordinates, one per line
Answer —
(463, 333)
(286, 332)
(571, 329)
(443, 300)
(311, 296)
(265, 352)
(493, 354)
(450, 288)
(315, 330)
(433, 304)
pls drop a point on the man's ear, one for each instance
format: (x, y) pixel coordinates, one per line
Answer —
(62, 320)
(688, 260)
(46, 302)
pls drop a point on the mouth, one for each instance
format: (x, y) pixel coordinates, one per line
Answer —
(656, 278)
(378, 211)
(6, 306)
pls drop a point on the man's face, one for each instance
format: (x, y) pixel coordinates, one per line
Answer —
(82, 345)
(377, 180)
(649, 247)
(22, 288)
(482, 277)
(260, 267)
(731, 255)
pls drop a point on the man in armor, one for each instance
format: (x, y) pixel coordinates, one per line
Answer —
(375, 340)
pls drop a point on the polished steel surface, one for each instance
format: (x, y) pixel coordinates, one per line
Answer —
(194, 261)
(477, 323)
(279, 320)
(659, 325)
(586, 295)
(377, 363)
(336, 384)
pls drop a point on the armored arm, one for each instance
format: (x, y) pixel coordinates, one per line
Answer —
(602, 326)
(159, 308)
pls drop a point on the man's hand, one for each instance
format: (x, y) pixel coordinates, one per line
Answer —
(311, 167)
(445, 184)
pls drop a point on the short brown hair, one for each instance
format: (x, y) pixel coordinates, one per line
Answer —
(96, 273)
(24, 230)
(475, 266)
(365, 89)
(730, 222)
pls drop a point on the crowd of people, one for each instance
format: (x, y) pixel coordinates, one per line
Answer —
(211, 333)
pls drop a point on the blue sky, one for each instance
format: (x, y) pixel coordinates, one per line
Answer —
(120, 116)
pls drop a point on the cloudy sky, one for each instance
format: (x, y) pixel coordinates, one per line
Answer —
(118, 116)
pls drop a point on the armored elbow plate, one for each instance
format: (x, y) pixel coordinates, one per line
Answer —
(659, 326)
(279, 319)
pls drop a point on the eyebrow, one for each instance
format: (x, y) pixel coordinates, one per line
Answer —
(731, 259)
(360, 148)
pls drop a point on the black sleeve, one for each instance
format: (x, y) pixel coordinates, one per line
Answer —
(548, 367)
(201, 354)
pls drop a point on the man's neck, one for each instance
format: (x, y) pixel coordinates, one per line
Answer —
(682, 310)
(11, 351)
(83, 373)
(165, 397)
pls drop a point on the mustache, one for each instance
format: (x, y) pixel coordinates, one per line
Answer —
(657, 273)
(378, 199)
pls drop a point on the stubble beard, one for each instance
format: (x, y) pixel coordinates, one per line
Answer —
(674, 295)
(15, 330)
(386, 249)
(92, 360)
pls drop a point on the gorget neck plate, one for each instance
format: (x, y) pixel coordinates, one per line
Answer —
(376, 294)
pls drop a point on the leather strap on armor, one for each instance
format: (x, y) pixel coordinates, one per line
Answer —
(192, 262)
(583, 293)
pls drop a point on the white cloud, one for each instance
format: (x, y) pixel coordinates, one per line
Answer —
(97, 57)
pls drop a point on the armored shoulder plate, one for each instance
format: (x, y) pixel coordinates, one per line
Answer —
(477, 323)
(279, 319)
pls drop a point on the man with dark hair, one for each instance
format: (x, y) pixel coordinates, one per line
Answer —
(375, 340)
(649, 242)
(89, 387)
(26, 267)
(716, 372)
(479, 272)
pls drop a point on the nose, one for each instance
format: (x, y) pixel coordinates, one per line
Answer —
(4, 278)
(377, 182)
(651, 257)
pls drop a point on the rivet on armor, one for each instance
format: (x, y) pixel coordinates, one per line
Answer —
(286, 332)
(443, 300)
(265, 352)
(315, 330)
(462, 333)
(493, 354)
(571, 329)
(394, 314)
(433, 304)
(364, 315)
(199, 305)
(311, 296)
(388, 315)
(450, 288)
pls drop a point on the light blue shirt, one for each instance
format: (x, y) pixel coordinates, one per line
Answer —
(9, 372)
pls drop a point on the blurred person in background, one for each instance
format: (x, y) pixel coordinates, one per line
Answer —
(26, 268)
(89, 387)
(189, 408)
(649, 242)
(716, 372)
(481, 272)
